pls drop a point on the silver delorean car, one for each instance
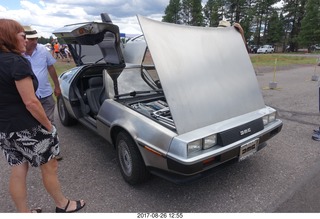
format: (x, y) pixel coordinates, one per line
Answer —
(175, 102)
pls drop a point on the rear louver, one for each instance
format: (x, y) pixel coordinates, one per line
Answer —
(240, 132)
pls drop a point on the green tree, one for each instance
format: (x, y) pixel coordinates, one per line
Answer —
(172, 12)
(236, 9)
(284, 28)
(294, 11)
(246, 18)
(275, 29)
(213, 12)
(191, 12)
(186, 6)
(310, 24)
(197, 18)
(261, 21)
(263, 11)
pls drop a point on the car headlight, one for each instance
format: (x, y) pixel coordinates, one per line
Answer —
(194, 146)
(209, 141)
(202, 144)
(269, 118)
(265, 119)
(272, 117)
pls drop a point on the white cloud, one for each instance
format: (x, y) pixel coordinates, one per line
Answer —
(2, 9)
(48, 15)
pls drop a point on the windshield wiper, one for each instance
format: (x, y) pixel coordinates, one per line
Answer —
(135, 93)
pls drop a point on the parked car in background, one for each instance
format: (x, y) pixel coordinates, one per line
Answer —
(253, 48)
(314, 47)
(180, 124)
(265, 49)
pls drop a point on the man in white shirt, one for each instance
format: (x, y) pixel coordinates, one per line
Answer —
(42, 64)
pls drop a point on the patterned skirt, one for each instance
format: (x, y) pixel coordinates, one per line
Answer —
(36, 146)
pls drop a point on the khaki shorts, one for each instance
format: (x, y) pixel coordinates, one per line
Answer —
(36, 146)
(48, 105)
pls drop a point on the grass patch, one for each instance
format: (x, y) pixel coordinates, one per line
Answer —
(62, 66)
(282, 60)
(262, 60)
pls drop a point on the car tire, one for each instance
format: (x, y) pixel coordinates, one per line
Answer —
(132, 166)
(64, 115)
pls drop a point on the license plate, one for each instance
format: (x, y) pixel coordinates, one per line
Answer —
(248, 149)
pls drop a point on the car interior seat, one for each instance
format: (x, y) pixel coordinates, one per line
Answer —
(111, 49)
(110, 46)
(93, 94)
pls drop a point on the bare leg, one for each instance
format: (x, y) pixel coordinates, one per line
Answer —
(51, 182)
(52, 185)
(18, 186)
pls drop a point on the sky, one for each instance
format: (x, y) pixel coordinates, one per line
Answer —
(48, 15)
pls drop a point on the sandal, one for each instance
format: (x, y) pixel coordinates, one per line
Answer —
(36, 210)
(79, 206)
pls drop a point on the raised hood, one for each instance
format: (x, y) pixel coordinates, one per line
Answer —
(205, 72)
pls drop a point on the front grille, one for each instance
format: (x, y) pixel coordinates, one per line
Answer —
(239, 132)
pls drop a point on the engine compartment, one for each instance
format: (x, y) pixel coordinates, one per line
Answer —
(157, 110)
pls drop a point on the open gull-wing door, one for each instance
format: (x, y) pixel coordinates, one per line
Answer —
(206, 73)
(93, 42)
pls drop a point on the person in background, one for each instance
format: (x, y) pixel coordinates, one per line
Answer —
(27, 136)
(67, 52)
(52, 46)
(225, 23)
(56, 48)
(42, 64)
(316, 132)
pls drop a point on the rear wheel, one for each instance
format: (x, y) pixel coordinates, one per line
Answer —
(64, 115)
(131, 164)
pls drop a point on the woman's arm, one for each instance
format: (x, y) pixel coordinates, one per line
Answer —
(33, 105)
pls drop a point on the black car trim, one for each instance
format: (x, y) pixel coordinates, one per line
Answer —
(184, 179)
(224, 157)
(237, 133)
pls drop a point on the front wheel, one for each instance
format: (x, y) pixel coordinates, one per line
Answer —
(131, 164)
(64, 115)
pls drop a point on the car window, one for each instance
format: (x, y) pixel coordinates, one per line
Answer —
(109, 86)
(68, 75)
(130, 80)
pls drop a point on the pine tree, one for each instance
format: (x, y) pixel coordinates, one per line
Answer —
(186, 11)
(275, 29)
(213, 12)
(197, 18)
(172, 12)
(295, 11)
(261, 21)
(310, 24)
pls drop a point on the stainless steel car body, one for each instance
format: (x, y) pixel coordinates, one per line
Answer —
(210, 94)
(201, 69)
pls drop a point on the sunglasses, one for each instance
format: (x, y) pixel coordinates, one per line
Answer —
(23, 35)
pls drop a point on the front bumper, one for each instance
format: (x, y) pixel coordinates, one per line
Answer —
(224, 154)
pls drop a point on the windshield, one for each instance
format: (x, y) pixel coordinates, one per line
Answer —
(130, 80)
